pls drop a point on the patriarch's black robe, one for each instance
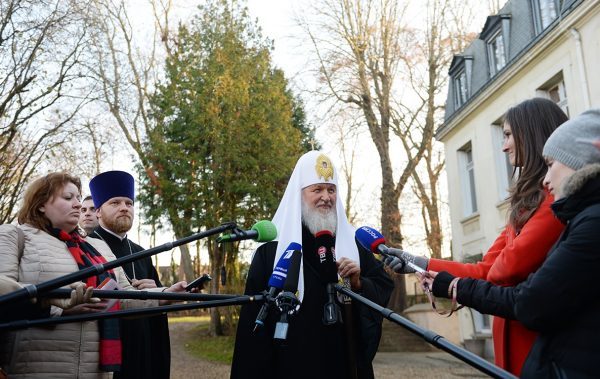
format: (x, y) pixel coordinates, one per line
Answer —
(312, 349)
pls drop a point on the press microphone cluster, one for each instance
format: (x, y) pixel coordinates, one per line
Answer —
(262, 231)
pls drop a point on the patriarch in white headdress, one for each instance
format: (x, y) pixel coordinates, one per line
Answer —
(312, 168)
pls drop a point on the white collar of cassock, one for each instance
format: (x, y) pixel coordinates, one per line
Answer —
(312, 168)
(114, 234)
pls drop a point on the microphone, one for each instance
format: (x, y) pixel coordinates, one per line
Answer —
(277, 280)
(371, 240)
(286, 301)
(262, 231)
(327, 270)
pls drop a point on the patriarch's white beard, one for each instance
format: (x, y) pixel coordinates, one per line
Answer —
(316, 221)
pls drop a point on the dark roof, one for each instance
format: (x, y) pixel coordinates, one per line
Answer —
(521, 37)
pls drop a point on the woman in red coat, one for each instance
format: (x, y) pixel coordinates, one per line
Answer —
(530, 232)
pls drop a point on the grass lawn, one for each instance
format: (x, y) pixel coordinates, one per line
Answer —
(201, 345)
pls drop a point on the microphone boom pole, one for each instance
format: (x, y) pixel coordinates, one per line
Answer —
(23, 324)
(431, 337)
(33, 290)
(63, 293)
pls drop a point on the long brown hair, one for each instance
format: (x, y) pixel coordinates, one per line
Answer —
(531, 123)
(38, 193)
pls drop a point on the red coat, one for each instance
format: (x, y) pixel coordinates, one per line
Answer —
(508, 262)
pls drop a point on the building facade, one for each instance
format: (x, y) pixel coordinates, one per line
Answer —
(547, 48)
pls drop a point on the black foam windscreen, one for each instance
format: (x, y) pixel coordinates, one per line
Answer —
(325, 250)
(293, 274)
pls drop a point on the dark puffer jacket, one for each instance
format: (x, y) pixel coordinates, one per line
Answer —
(562, 299)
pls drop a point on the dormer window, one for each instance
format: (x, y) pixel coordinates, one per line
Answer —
(496, 34)
(544, 13)
(497, 53)
(460, 88)
(460, 72)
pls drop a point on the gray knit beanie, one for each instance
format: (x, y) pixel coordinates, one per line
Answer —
(571, 143)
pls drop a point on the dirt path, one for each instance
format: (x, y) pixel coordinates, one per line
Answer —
(386, 365)
(186, 366)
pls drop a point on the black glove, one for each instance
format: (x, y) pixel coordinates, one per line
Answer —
(397, 261)
(441, 283)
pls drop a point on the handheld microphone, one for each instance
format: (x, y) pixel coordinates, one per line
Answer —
(277, 280)
(371, 240)
(327, 270)
(286, 301)
(262, 231)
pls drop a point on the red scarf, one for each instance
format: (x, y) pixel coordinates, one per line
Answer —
(86, 256)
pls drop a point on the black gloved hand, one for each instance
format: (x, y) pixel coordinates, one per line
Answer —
(441, 283)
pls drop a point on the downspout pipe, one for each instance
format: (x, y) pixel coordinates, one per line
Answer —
(581, 64)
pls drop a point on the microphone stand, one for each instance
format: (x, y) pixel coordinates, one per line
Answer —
(349, 326)
(331, 310)
(23, 324)
(287, 302)
(431, 337)
(34, 290)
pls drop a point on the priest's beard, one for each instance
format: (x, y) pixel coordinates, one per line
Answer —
(118, 225)
(317, 220)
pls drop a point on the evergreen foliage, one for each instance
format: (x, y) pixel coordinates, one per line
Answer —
(227, 131)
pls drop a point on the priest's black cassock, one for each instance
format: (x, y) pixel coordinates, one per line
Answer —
(145, 340)
(312, 349)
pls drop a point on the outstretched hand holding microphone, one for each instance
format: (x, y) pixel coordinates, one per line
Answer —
(400, 261)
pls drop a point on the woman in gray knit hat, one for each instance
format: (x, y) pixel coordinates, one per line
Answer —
(561, 299)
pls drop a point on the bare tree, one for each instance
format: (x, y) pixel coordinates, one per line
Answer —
(127, 77)
(347, 136)
(370, 58)
(495, 5)
(41, 43)
(359, 46)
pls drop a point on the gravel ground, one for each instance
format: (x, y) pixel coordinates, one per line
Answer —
(386, 365)
(186, 366)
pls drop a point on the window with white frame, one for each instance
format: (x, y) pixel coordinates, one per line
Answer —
(496, 35)
(504, 169)
(558, 94)
(467, 178)
(496, 53)
(460, 71)
(460, 88)
(544, 13)
(554, 89)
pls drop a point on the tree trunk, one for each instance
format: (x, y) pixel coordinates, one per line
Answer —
(182, 231)
(435, 237)
(186, 262)
(391, 220)
(216, 259)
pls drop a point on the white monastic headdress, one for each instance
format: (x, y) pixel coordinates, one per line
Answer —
(312, 168)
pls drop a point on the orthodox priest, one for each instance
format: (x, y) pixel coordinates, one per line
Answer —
(318, 344)
(146, 347)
